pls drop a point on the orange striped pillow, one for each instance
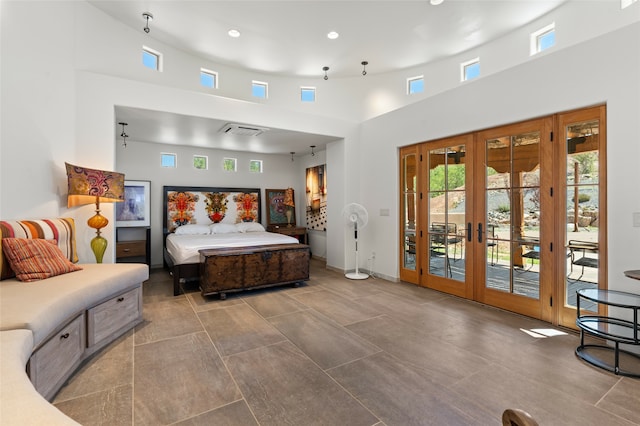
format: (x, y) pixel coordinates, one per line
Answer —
(36, 259)
(61, 229)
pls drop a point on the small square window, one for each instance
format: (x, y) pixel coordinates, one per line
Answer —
(209, 78)
(543, 39)
(200, 162)
(259, 89)
(626, 3)
(470, 69)
(151, 58)
(415, 85)
(308, 94)
(168, 159)
(229, 164)
(255, 166)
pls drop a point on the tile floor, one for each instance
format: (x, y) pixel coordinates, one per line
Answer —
(339, 352)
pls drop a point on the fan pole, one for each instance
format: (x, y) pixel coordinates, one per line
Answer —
(356, 275)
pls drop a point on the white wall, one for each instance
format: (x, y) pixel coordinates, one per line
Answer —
(65, 66)
(602, 70)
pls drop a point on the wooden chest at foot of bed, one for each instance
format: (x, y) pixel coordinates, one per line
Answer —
(224, 270)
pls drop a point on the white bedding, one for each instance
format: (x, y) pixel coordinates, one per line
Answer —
(184, 248)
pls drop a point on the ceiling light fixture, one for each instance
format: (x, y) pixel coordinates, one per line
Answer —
(292, 155)
(436, 2)
(148, 17)
(332, 35)
(123, 134)
(234, 33)
(325, 69)
(313, 154)
(364, 67)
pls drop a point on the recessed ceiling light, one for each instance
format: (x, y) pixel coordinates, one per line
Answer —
(332, 35)
(234, 33)
(436, 2)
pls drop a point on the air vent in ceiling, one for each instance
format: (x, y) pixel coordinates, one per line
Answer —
(242, 129)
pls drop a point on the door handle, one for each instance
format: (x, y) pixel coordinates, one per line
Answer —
(469, 232)
(479, 232)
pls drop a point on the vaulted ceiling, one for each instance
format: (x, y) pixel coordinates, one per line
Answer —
(289, 38)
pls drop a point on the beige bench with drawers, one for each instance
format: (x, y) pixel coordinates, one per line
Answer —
(48, 327)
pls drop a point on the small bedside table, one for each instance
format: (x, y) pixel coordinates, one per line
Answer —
(299, 232)
(134, 251)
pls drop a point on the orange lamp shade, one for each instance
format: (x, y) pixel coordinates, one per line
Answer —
(88, 186)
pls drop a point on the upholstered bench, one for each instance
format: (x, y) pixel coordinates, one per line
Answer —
(49, 326)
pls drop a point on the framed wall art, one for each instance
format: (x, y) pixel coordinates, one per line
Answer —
(136, 208)
(281, 209)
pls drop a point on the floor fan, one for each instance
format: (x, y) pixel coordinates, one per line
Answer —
(357, 217)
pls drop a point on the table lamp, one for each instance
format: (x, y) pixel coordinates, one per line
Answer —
(88, 186)
(288, 201)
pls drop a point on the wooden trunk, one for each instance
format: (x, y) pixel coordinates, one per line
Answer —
(224, 270)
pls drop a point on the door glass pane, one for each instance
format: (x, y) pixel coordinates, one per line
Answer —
(446, 232)
(512, 223)
(582, 207)
(409, 174)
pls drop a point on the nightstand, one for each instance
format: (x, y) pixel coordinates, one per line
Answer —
(299, 232)
(132, 250)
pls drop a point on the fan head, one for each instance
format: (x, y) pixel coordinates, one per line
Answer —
(355, 213)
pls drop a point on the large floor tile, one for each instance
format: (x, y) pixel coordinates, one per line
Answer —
(497, 388)
(321, 339)
(272, 302)
(337, 308)
(106, 407)
(164, 320)
(179, 378)
(238, 328)
(234, 414)
(623, 399)
(403, 395)
(445, 362)
(282, 386)
(108, 369)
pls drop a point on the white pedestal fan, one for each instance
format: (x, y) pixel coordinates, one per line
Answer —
(356, 216)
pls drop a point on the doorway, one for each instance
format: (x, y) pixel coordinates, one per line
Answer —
(510, 216)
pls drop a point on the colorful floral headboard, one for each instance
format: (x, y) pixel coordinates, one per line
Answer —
(205, 205)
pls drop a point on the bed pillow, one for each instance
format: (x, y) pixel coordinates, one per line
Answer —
(223, 228)
(250, 227)
(36, 259)
(193, 230)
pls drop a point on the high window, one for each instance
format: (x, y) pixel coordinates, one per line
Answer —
(543, 39)
(470, 69)
(168, 159)
(415, 85)
(151, 58)
(255, 166)
(259, 89)
(200, 162)
(229, 164)
(208, 78)
(308, 94)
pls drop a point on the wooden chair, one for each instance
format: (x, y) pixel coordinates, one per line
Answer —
(516, 417)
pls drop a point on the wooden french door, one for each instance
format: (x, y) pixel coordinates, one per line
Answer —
(510, 216)
(513, 219)
(581, 206)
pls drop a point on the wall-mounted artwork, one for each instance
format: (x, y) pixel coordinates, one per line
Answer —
(316, 198)
(281, 208)
(136, 208)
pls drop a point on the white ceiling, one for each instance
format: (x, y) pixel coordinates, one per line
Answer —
(289, 38)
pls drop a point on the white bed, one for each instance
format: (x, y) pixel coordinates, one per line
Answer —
(184, 249)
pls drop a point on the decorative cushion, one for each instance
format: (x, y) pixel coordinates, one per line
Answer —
(223, 228)
(250, 227)
(62, 230)
(36, 259)
(193, 230)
